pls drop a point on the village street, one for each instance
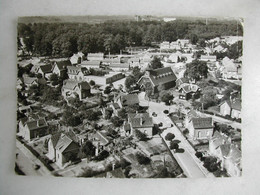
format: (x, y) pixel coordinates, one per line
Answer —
(28, 160)
(191, 166)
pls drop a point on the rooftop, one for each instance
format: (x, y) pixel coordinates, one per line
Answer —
(202, 123)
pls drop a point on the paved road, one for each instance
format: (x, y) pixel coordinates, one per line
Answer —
(191, 166)
(27, 160)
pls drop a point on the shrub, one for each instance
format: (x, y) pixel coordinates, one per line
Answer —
(169, 136)
(142, 159)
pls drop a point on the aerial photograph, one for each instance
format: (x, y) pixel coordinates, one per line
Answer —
(129, 96)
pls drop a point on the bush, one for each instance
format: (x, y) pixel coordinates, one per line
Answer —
(102, 155)
(169, 136)
(166, 111)
(142, 159)
(199, 155)
(174, 146)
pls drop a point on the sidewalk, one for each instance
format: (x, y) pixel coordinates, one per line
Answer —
(42, 170)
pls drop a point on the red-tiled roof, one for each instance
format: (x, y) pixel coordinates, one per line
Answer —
(202, 123)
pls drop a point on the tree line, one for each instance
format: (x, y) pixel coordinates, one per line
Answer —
(62, 40)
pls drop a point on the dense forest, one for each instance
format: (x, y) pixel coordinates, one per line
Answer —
(64, 39)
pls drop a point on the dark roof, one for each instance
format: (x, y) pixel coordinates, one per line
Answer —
(162, 75)
(36, 124)
(202, 123)
(182, 80)
(55, 138)
(63, 143)
(71, 84)
(235, 104)
(62, 65)
(140, 120)
(116, 106)
(46, 68)
(129, 99)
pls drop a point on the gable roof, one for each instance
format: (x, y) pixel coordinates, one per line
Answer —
(55, 138)
(202, 123)
(29, 80)
(71, 84)
(46, 68)
(234, 104)
(162, 76)
(62, 65)
(63, 143)
(140, 120)
(36, 124)
(76, 70)
(101, 137)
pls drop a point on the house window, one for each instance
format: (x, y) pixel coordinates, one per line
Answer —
(199, 134)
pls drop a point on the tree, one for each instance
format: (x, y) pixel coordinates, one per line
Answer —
(199, 155)
(54, 79)
(142, 159)
(166, 97)
(156, 63)
(92, 83)
(108, 113)
(117, 122)
(169, 136)
(196, 70)
(129, 82)
(148, 89)
(174, 146)
(193, 39)
(39, 75)
(107, 90)
(140, 135)
(122, 113)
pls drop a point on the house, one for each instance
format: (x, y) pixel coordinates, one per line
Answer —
(95, 56)
(139, 121)
(231, 108)
(19, 83)
(60, 67)
(101, 141)
(77, 58)
(127, 100)
(30, 129)
(109, 78)
(228, 154)
(72, 88)
(200, 128)
(230, 69)
(29, 81)
(181, 81)
(44, 70)
(189, 91)
(162, 76)
(77, 73)
(165, 45)
(208, 58)
(62, 149)
(175, 57)
(91, 64)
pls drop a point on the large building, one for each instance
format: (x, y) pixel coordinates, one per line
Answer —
(162, 76)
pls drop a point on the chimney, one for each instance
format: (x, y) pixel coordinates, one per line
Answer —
(38, 123)
(141, 121)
